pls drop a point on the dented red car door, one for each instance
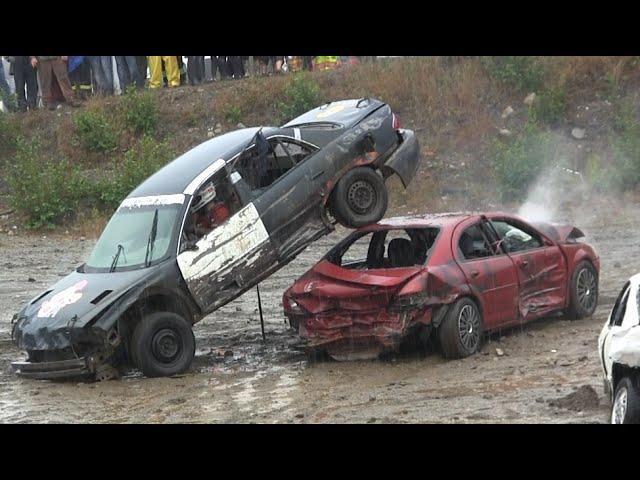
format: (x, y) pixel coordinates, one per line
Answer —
(493, 280)
(541, 269)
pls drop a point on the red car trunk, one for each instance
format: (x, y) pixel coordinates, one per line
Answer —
(339, 307)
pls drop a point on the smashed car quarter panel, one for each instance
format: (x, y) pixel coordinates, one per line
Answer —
(405, 160)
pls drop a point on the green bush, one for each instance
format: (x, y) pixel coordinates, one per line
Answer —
(519, 160)
(139, 111)
(550, 106)
(524, 73)
(301, 94)
(44, 190)
(232, 114)
(132, 169)
(94, 131)
(7, 135)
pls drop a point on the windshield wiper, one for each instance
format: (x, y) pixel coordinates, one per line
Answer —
(152, 238)
(115, 258)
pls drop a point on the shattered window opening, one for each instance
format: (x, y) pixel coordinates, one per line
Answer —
(516, 239)
(394, 248)
(620, 307)
(260, 170)
(473, 244)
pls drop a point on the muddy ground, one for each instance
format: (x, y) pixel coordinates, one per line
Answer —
(238, 378)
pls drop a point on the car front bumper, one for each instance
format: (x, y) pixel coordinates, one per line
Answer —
(77, 367)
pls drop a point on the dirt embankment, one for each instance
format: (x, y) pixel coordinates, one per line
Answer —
(547, 371)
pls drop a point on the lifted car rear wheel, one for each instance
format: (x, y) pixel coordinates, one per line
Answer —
(163, 344)
(360, 198)
(583, 291)
(461, 330)
(626, 403)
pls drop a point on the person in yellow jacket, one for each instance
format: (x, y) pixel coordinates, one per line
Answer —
(155, 71)
(326, 62)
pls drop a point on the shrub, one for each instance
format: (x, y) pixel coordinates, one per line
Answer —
(301, 94)
(139, 111)
(550, 106)
(625, 148)
(135, 166)
(7, 135)
(519, 160)
(232, 113)
(45, 190)
(524, 73)
(94, 131)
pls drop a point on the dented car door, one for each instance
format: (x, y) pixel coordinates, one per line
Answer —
(540, 265)
(226, 261)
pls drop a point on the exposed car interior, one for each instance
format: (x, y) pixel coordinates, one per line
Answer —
(397, 248)
(473, 244)
(515, 238)
(268, 160)
(212, 205)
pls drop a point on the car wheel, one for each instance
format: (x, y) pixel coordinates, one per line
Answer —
(583, 291)
(626, 403)
(360, 198)
(460, 332)
(163, 344)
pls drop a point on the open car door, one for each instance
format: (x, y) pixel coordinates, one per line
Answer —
(221, 264)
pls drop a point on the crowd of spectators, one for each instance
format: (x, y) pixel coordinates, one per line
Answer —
(30, 82)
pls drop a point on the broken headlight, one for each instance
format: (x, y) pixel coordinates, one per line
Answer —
(293, 307)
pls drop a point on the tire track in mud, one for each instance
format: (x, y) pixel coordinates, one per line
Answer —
(271, 382)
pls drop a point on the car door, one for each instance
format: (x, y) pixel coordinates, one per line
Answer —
(618, 321)
(226, 261)
(490, 273)
(540, 265)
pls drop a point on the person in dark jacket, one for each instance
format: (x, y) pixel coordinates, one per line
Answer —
(102, 68)
(24, 75)
(195, 70)
(128, 73)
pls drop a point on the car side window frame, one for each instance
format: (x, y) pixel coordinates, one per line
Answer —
(460, 254)
(256, 192)
(620, 307)
(524, 228)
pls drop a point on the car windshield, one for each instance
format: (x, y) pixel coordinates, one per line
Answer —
(129, 240)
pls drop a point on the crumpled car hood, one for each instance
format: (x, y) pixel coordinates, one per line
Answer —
(74, 300)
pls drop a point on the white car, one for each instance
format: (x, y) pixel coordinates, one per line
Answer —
(619, 349)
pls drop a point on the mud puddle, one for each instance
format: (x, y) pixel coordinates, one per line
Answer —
(236, 377)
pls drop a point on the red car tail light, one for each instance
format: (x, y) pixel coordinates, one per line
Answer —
(395, 121)
(292, 306)
(413, 300)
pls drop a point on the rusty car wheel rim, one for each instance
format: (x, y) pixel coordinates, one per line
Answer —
(166, 345)
(361, 196)
(586, 289)
(619, 409)
(469, 327)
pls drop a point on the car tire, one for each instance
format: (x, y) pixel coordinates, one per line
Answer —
(163, 344)
(625, 407)
(460, 332)
(583, 291)
(360, 198)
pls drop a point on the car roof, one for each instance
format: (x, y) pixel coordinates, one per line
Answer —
(440, 220)
(174, 177)
(345, 113)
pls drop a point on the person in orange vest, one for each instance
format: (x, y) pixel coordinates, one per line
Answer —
(155, 71)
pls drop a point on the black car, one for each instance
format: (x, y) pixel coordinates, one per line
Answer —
(203, 230)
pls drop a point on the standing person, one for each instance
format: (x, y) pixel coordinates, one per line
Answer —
(128, 73)
(50, 69)
(142, 68)
(263, 64)
(236, 67)
(155, 69)
(195, 70)
(79, 76)
(277, 64)
(24, 75)
(102, 68)
(307, 63)
(5, 90)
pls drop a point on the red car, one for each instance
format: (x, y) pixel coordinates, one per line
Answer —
(452, 275)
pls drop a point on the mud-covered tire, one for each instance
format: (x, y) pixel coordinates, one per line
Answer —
(625, 406)
(583, 291)
(460, 332)
(163, 344)
(360, 198)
